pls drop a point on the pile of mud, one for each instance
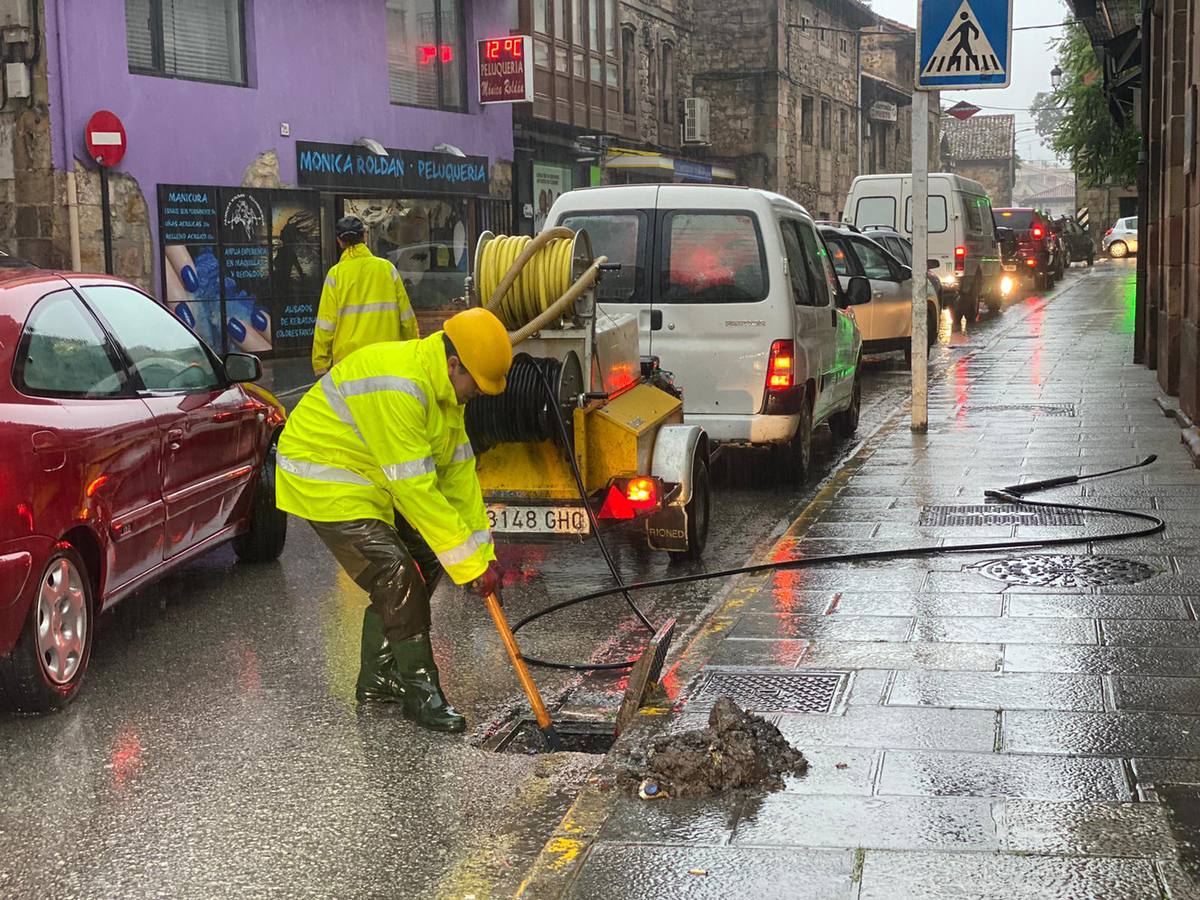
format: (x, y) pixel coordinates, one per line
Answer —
(737, 750)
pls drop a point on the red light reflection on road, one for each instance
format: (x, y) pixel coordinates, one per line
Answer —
(126, 758)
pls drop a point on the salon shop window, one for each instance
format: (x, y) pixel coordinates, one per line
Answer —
(426, 53)
(197, 40)
(426, 240)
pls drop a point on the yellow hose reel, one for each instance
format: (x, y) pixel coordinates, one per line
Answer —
(530, 283)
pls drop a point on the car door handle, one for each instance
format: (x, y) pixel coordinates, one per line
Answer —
(656, 320)
(833, 317)
(45, 442)
(175, 438)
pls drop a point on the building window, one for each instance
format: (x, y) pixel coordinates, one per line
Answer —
(628, 69)
(804, 23)
(425, 53)
(666, 60)
(826, 125)
(539, 16)
(806, 119)
(845, 45)
(845, 129)
(561, 18)
(202, 40)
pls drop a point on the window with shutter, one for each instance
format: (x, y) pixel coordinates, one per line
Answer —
(200, 40)
(426, 53)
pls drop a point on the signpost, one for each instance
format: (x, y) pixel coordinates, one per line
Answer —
(105, 139)
(961, 45)
(506, 69)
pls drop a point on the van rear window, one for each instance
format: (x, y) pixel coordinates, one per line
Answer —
(619, 236)
(937, 214)
(712, 257)
(875, 211)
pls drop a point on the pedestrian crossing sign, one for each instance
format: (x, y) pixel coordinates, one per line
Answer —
(963, 44)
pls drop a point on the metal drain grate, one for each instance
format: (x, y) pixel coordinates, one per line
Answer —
(1034, 409)
(773, 692)
(1061, 570)
(998, 514)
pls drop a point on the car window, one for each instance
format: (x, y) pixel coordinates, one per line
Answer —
(798, 272)
(63, 353)
(1016, 219)
(160, 349)
(904, 249)
(825, 280)
(873, 261)
(937, 214)
(839, 255)
(875, 211)
(620, 237)
(712, 257)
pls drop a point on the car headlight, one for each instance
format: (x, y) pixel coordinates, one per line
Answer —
(1006, 285)
(950, 279)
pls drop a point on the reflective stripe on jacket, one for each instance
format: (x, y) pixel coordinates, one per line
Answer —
(363, 302)
(383, 431)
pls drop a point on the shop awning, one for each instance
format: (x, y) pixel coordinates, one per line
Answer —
(666, 166)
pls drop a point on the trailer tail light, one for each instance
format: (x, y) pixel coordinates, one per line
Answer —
(781, 366)
(630, 498)
(642, 493)
(960, 258)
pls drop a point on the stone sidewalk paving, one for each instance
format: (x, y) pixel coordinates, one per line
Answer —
(1006, 724)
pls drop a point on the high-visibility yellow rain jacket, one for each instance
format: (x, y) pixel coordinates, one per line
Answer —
(363, 301)
(383, 430)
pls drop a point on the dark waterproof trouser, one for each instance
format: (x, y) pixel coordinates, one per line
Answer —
(391, 563)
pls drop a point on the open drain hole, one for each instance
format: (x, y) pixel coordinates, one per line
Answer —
(524, 738)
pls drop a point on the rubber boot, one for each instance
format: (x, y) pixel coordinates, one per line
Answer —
(417, 675)
(376, 679)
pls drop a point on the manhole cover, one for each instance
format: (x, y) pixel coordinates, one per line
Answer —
(773, 692)
(994, 514)
(1034, 409)
(1060, 570)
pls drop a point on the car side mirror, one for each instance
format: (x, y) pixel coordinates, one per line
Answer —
(905, 274)
(933, 264)
(858, 291)
(242, 368)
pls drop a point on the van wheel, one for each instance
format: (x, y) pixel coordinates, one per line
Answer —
(845, 423)
(697, 512)
(968, 303)
(798, 451)
(45, 669)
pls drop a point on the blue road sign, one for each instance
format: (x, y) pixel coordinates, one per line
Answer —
(964, 44)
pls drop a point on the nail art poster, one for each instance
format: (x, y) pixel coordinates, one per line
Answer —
(190, 264)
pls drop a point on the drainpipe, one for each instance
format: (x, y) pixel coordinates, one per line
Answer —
(60, 17)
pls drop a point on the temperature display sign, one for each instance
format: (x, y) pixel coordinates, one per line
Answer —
(506, 69)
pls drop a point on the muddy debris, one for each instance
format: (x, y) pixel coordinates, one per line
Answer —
(737, 750)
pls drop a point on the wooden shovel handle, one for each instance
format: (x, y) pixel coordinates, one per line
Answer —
(514, 653)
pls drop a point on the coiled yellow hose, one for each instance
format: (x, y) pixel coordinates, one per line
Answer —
(528, 280)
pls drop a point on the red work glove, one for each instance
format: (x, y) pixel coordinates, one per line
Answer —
(489, 582)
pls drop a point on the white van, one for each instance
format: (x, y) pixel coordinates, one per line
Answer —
(962, 235)
(735, 293)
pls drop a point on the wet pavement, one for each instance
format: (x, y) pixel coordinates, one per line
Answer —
(1017, 723)
(218, 751)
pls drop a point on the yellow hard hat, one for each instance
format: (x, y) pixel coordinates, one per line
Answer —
(482, 344)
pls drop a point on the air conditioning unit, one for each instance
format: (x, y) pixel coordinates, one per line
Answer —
(696, 121)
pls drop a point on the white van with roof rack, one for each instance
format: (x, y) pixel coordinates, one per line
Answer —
(735, 294)
(962, 234)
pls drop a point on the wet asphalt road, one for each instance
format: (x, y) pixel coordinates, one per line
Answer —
(217, 749)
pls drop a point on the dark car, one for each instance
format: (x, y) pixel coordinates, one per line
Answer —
(131, 448)
(1075, 240)
(1036, 251)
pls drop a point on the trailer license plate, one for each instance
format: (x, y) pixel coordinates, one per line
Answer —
(508, 519)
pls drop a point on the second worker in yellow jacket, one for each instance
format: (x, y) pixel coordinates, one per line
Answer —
(363, 301)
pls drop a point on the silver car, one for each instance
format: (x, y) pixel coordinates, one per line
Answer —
(1121, 240)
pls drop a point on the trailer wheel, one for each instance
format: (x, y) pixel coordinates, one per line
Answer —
(697, 508)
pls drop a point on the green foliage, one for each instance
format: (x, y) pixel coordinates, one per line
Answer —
(1075, 122)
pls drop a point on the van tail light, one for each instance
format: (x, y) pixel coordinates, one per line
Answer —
(781, 366)
(960, 258)
(1037, 231)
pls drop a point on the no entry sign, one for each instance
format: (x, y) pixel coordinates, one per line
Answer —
(105, 137)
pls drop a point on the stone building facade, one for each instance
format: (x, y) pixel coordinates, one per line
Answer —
(984, 148)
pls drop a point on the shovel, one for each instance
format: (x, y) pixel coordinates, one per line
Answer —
(553, 741)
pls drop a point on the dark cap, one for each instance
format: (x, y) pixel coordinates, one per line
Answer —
(350, 225)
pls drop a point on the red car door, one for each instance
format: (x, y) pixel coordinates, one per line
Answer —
(207, 425)
(92, 446)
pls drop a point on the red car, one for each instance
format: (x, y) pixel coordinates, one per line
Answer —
(129, 448)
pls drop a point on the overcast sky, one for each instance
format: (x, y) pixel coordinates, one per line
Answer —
(1031, 65)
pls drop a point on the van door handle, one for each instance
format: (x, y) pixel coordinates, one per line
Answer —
(174, 438)
(656, 320)
(833, 316)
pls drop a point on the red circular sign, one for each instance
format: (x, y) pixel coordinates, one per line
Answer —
(105, 137)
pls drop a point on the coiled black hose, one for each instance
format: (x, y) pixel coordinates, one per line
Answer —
(527, 411)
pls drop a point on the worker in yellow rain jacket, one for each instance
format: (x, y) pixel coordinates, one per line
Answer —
(376, 457)
(363, 301)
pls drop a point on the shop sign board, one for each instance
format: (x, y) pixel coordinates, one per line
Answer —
(549, 183)
(242, 266)
(882, 111)
(349, 166)
(506, 69)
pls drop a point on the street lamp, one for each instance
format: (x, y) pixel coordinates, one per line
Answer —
(1055, 77)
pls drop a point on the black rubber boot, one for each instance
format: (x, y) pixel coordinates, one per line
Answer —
(376, 681)
(417, 675)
